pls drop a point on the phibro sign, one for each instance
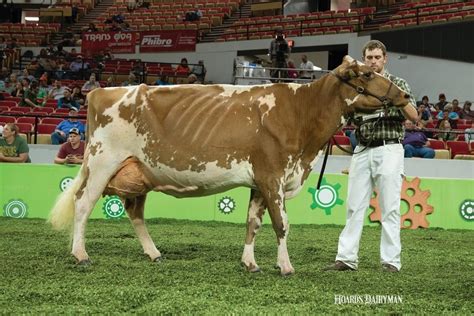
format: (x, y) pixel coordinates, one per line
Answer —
(162, 41)
(117, 42)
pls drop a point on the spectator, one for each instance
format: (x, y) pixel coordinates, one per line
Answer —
(195, 15)
(110, 82)
(199, 70)
(43, 88)
(68, 101)
(17, 91)
(3, 43)
(424, 114)
(445, 135)
(183, 67)
(92, 28)
(33, 67)
(415, 143)
(72, 151)
(192, 79)
(467, 113)
(456, 108)
(61, 68)
(441, 102)
(26, 74)
(78, 96)
(61, 134)
(426, 101)
(56, 92)
(131, 81)
(29, 95)
(449, 114)
(279, 51)
(90, 85)
(115, 26)
(78, 66)
(13, 148)
(292, 73)
(163, 81)
(11, 83)
(138, 70)
(469, 134)
(13, 44)
(308, 67)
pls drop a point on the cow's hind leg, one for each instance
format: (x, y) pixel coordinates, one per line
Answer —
(274, 196)
(254, 222)
(135, 209)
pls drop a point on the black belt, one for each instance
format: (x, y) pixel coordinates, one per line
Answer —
(380, 142)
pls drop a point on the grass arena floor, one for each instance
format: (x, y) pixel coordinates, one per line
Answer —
(201, 273)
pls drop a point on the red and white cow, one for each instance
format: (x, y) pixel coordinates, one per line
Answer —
(195, 140)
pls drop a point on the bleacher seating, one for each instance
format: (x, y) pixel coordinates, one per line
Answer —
(28, 34)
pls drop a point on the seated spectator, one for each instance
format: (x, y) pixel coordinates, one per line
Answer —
(90, 85)
(61, 134)
(3, 43)
(110, 82)
(29, 95)
(11, 84)
(26, 74)
(61, 68)
(163, 81)
(445, 134)
(33, 67)
(416, 143)
(467, 113)
(92, 28)
(78, 66)
(78, 96)
(43, 88)
(469, 134)
(192, 79)
(131, 81)
(183, 67)
(195, 15)
(456, 108)
(17, 91)
(424, 114)
(56, 92)
(200, 70)
(441, 102)
(115, 26)
(72, 151)
(292, 73)
(13, 148)
(68, 101)
(449, 114)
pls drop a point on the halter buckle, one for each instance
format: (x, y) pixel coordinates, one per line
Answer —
(360, 89)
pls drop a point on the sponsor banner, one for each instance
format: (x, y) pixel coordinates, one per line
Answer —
(117, 42)
(166, 41)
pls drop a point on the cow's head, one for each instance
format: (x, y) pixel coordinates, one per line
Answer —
(365, 90)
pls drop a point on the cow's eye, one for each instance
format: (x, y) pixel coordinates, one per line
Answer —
(368, 75)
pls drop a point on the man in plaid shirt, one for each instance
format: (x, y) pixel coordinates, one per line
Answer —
(377, 161)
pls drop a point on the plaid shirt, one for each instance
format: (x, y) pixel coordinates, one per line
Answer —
(388, 129)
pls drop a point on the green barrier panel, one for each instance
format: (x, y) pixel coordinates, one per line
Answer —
(28, 190)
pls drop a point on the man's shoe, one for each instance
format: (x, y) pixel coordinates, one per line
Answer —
(339, 266)
(389, 268)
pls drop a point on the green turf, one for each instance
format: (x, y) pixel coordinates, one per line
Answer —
(201, 272)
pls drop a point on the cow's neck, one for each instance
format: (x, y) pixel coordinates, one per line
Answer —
(321, 118)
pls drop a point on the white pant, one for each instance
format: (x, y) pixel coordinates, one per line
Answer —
(383, 167)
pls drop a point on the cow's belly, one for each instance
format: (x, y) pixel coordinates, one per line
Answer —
(213, 179)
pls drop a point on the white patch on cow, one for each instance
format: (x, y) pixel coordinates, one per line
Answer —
(294, 87)
(270, 101)
(248, 257)
(349, 102)
(229, 90)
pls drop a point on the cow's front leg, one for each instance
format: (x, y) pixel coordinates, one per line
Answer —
(135, 209)
(274, 197)
(254, 222)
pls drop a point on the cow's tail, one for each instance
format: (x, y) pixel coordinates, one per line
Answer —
(61, 216)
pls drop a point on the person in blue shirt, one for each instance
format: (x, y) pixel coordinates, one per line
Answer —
(61, 133)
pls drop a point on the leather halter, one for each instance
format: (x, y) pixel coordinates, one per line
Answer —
(385, 100)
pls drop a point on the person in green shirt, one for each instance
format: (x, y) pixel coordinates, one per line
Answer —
(13, 148)
(29, 94)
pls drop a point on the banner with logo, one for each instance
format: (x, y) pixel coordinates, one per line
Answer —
(167, 41)
(117, 42)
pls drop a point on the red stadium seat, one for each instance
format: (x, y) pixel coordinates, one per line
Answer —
(437, 144)
(29, 119)
(4, 108)
(9, 103)
(458, 148)
(51, 120)
(46, 128)
(7, 119)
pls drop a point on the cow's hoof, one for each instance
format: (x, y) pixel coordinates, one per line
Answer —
(158, 259)
(84, 262)
(251, 268)
(287, 273)
(255, 270)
